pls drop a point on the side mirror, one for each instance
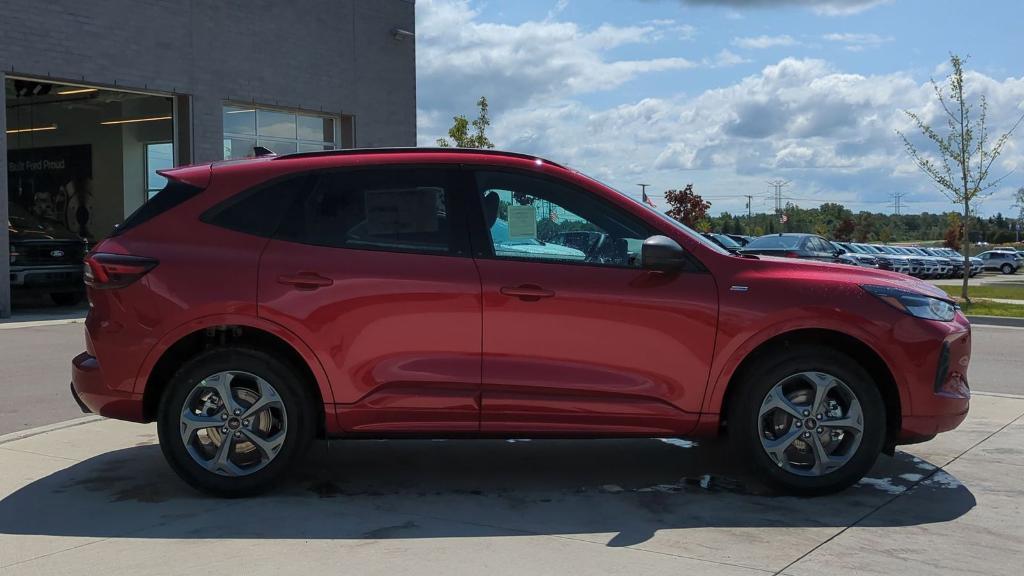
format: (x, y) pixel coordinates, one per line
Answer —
(661, 253)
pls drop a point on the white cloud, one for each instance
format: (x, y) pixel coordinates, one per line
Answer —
(858, 42)
(823, 7)
(828, 130)
(762, 42)
(461, 57)
(724, 59)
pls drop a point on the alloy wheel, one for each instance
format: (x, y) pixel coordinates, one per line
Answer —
(810, 424)
(233, 423)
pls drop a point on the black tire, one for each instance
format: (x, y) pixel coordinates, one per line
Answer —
(1007, 269)
(760, 378)
(290, 385)
(66, 298)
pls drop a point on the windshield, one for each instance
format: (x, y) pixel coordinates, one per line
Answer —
(726, 241)
(781, 242)
(21, 219)
(666, 218)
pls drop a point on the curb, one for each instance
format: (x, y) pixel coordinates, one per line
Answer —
(997, 321)
(998, 395)
(8, 324)
(22, 434)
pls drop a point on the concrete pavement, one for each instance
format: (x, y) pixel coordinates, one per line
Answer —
(97, 497)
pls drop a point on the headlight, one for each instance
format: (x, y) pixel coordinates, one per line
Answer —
(915, 304)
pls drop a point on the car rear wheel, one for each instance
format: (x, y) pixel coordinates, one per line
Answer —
(809, 421)
(232, 421)
(1007, 269)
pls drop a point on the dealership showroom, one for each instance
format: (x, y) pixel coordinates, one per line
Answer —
(84, 144)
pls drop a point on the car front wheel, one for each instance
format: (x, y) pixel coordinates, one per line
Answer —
(1007, 269)
(232, 421)
(810, 421)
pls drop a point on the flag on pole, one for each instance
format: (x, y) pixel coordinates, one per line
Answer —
(783, 219)
(648, 201)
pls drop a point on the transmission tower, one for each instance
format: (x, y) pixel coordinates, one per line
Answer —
(778, 185)
(897, 202)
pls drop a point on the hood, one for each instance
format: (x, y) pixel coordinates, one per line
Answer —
(23, 226)
(812, 271)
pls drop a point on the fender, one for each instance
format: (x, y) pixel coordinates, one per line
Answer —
(732, 352)
(176, 334)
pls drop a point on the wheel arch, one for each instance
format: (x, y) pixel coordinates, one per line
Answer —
(195, 337)
(863, 354)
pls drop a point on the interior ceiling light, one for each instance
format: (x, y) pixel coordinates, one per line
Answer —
(77, 91)
(38, 129)
(241, 111)
(134, 120)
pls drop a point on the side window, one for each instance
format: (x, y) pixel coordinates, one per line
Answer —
(395, 210)
(534, 218)
(259, 210)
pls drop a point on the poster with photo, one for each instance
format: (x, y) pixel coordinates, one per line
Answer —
(54, 183)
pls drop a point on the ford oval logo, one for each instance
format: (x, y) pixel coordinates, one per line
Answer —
(57, 253)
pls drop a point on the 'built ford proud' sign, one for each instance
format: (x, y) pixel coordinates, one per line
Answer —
(54, 183)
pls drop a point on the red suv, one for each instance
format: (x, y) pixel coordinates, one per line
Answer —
(254, 305)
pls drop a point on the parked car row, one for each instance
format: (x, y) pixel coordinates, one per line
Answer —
(920, 262)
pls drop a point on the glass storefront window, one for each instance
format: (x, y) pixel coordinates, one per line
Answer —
(279, 131)
(239, 120)
(275, 124)
(159, 156)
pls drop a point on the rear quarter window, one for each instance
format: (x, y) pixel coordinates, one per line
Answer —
(259, 211)
(172, 195)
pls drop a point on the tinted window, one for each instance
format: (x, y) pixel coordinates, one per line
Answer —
(173, 194)
(259, 211)
(782, 242)
(394, 210)
(534, 218)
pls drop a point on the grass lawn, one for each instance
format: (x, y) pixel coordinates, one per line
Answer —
(1009, 292)
(979, 307)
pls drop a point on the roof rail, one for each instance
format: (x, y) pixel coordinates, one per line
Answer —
(399, 150)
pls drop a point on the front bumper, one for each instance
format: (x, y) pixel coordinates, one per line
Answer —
(940, 397)
(51, 278)
(93, 395)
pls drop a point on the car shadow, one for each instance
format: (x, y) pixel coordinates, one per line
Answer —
(365, 489)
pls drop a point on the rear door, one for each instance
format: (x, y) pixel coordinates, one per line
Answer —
(371, 268)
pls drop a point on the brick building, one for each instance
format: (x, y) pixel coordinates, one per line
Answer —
(100, 95)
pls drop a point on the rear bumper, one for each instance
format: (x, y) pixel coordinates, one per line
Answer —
(90, 392)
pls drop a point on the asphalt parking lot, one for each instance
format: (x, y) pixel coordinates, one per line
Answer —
(90, 493)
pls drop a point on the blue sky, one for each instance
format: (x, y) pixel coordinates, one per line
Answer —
(725, 94)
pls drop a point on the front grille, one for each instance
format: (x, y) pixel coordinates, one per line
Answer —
(916, 262)
(48, 253)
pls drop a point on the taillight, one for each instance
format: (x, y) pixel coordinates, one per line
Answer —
(104, 271)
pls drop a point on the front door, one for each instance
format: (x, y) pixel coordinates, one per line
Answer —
(577, 339)
(372, 270)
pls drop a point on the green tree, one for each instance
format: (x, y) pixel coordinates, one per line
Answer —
(460, 134)
(965, 154)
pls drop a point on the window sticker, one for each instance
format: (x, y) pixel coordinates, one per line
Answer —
(403, 211)
(522, 222)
